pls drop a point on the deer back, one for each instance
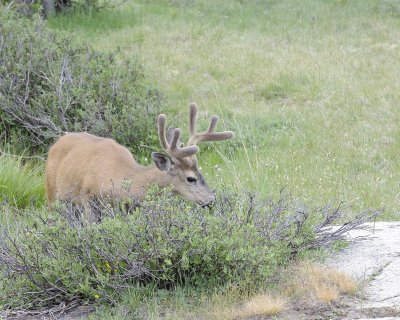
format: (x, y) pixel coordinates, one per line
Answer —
(81, 164)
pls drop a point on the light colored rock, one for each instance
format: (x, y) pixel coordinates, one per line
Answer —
(374, 257)
(386, 318)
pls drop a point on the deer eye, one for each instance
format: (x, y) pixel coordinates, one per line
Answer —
(191, 179)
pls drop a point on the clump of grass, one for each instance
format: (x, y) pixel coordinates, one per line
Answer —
(315, 282)
(290, 87)
(97, 22)
(262, 305)
(21, 183)
(188, 303)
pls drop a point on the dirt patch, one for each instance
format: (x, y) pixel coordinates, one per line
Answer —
(78, 313)
(345, 309)
(75, 313)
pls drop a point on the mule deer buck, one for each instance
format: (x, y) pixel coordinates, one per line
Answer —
(81, 165)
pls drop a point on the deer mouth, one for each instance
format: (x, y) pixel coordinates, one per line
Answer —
(208, 205)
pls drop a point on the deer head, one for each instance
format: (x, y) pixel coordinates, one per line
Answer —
(180, 162)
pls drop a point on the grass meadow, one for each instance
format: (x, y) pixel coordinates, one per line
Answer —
(310, 88)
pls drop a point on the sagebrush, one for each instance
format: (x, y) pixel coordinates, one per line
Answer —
(70, 255)
(50, 84)
(52, 7)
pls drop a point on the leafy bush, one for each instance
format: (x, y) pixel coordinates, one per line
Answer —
(164, 241)
(21, 184)
(50, 84)
(51, 7)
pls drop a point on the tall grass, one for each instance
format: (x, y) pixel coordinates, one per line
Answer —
(311, 88)
(21, 183)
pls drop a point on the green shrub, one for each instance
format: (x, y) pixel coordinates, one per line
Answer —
(165, 242)
(50, 84)
(21, 184)
(51, 7)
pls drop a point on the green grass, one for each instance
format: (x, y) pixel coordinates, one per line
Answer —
(311, 88)
(21, 183)
(179, 304)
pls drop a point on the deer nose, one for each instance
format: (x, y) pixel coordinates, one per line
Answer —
(210, 201)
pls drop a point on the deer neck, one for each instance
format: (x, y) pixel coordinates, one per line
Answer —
(143, 176)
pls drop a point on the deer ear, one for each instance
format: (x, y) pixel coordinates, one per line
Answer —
(162, 161)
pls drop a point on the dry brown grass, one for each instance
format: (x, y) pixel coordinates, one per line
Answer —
(222, 313)
(318, 282)
(307, 282)
(264, 304)
(325, 293)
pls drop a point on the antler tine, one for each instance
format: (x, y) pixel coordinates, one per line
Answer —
(162, 120)
(181, 152)
(209, 135)
(170, 132)
(175, 138)
(213, 123)
(192, 119)
(172, 148)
